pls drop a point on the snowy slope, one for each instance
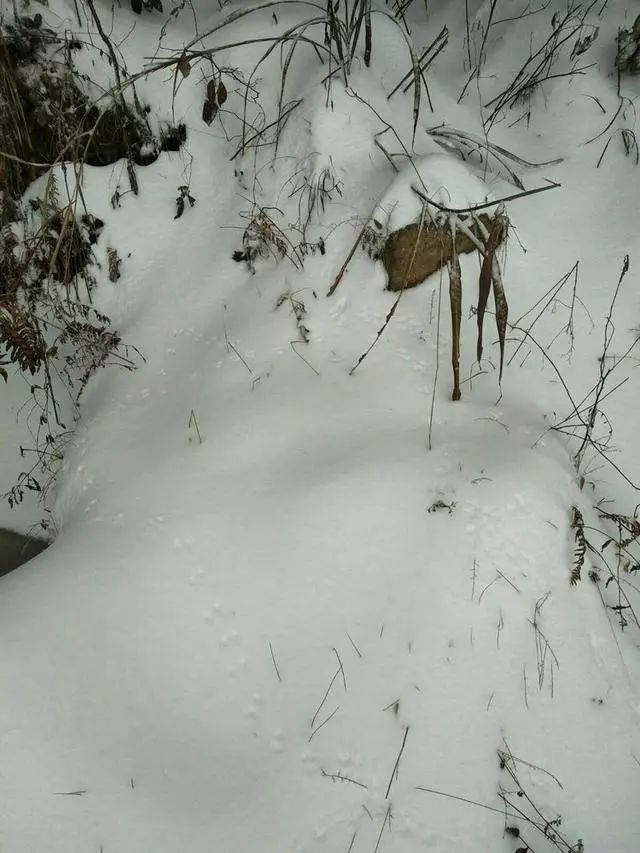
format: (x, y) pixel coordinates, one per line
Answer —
(211, 600)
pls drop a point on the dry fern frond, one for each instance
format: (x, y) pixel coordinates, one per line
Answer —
(577, 524)
(20, 338)
(261, 238)
(70, 251)
(624, 522)
(114, 261)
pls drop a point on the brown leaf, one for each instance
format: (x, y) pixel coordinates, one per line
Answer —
(494, 239)
(184, 66)
(212, 91)
(21, 339)
(222, 93)
(209, 111)
(502, 312)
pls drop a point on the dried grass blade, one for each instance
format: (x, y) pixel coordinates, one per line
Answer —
(415, 70)
(283, 79)
(337, 36)
(240, 13)
(502, 311)
(455, 297)
(484, 287)
(466, 139)
(367, 34)
(355, 25)
(487, 276)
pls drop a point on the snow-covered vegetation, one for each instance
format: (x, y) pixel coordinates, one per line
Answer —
(297, 598)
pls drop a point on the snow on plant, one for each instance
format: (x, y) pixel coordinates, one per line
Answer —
(569, 28)
(48, 326)
(429, 215)
(333, 33)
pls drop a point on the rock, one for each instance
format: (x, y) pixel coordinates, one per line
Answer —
(16, 549)
(433, 252)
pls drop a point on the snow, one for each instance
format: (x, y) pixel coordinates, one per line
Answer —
(445, 180)
(163, 664)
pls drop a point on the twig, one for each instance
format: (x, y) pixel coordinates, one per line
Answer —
(338, 777)
(523, 14)
(552, 185)
(504, 577)
(476, 70)
(552, 293)
(324, 698)
(461, 799)
(309, 365)
(344, 680)
(495, 421)
(468, 37)
(609, 331)
(506, 759)
(495, 580)
(231, 347)
(315, 731)
(395, 766)
(535, 767)
(275, 665)
(343, 268)
(79, 793)
(384, 822)
(542, 643)
(437, 367)
(114, 61)
(392, 310)
(258, 134)
(357, 650)
(193, 420)
(553, 365)
(442, 37)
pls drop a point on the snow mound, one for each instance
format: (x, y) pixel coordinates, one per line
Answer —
(446, 180)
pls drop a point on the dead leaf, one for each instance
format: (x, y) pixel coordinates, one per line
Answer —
(184, 66)
(209, 111)
(212, 91)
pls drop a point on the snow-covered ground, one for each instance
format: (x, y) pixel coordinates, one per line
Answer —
(242, 625)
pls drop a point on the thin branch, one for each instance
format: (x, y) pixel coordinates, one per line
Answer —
(395, 766)
(275, 665)
(344, 680)
(315, 731)
(552, 186)
(384, 823)
(357, 650)
(344, 266)
(324, 698)
(338, 777)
